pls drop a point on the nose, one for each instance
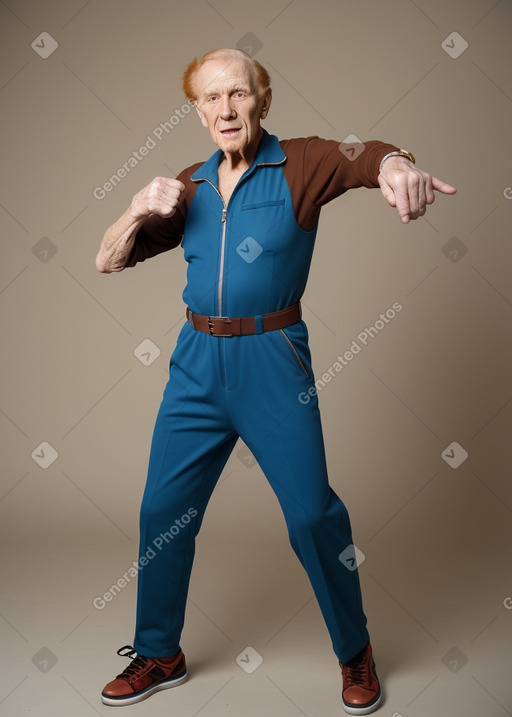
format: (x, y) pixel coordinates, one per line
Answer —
(226, 109)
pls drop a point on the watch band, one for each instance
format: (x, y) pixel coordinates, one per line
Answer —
(398, 153)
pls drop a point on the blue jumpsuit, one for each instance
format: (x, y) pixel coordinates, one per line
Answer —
(247, 259)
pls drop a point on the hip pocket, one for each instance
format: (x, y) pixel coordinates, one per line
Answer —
(295, 354)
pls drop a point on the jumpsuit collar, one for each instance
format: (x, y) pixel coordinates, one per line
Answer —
(269, 152)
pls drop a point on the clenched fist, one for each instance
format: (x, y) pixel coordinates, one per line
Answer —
(161, 196)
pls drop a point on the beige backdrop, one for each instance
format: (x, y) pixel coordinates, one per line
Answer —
(80, 393)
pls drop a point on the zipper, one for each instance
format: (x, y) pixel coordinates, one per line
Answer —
(295, 353)
(222, 255)
(222, 245)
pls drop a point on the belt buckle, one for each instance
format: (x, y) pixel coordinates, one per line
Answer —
(211, 327)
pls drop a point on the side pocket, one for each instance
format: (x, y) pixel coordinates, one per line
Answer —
(295, 352)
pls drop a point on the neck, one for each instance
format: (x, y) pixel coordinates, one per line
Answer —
(241, 161)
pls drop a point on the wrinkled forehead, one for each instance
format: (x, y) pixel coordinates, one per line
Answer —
(223, 74)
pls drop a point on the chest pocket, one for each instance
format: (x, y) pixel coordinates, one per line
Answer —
(264, 221)
(263, 205)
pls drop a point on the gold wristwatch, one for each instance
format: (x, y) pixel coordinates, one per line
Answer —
(398, 153)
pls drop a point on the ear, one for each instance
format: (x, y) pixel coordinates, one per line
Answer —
(267, 100)
(201, 116)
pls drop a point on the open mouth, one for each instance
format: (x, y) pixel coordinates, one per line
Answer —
(231, 132)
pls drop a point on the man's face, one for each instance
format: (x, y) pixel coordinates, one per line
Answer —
(229, 104)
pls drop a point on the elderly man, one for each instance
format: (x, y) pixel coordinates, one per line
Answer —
(247, 220)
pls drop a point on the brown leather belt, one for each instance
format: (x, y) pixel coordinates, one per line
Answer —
(245, 325)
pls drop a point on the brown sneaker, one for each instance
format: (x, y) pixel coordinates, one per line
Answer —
(143, 677)
(361, 689)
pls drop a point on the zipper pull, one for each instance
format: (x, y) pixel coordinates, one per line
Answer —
(223, 218)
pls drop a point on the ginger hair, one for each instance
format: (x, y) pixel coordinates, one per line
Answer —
(259, 75)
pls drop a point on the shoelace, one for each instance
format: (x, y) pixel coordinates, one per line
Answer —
(356, 671)
(138, 661)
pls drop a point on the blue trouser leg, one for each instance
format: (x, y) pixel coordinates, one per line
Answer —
(219, 389)
(285, 436)
(191, 444)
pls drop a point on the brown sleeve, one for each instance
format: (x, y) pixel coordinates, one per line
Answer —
(318, 170)
(159, 234)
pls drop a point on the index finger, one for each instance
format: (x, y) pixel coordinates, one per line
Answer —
(443, 187)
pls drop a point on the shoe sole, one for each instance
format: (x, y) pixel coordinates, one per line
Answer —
(364, 709)
(132, 699)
